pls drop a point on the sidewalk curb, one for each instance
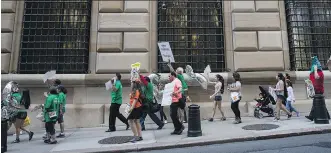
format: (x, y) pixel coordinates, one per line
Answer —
(204, 143)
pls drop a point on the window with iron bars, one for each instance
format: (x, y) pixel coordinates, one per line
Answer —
(194, 29)
(309, 32)
(55, 36)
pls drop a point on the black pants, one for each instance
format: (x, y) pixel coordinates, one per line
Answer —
(4, 127)
(235, 109)
(50, 127)
(162, 115)
(174, 116)
(155, 119)
(114, 111)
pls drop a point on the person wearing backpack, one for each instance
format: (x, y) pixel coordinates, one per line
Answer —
(147, 99)
(22, 103)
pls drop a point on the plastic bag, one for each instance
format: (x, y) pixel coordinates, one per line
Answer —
(27, 121)
(40, 116)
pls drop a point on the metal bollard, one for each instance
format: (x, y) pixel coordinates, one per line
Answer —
(194, 122)
(321, 115)
(4, 129)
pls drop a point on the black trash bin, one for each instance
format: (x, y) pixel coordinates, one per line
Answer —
(320, 111)
(194, 122)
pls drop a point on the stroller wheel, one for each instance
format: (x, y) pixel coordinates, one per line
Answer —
(260, 115)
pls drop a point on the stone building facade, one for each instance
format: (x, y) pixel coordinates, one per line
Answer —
(123, 32)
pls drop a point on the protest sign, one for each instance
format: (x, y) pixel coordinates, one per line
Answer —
(108, 85)
(166, 52)
(167, 94)
(49, 75)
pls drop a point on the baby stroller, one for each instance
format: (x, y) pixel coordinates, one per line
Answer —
(264, 104)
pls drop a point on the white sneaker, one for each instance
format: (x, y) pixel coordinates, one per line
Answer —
(165, 122)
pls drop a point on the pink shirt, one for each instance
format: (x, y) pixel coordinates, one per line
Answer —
(178, 85)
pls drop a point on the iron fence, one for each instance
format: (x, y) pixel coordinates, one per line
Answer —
(309, 32)
(55, 36)
(194, 29)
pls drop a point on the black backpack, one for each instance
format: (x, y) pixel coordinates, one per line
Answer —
(26, 101)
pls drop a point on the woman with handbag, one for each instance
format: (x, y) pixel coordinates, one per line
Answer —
(21, 113)
(50, 115)
(235, 91)
(281, 92)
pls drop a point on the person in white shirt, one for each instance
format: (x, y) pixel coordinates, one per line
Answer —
(158, 94)
(217, 97)
(290, 98)
(235, 89)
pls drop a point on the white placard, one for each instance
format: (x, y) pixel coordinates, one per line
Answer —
(49, 75)
(167, 92)
(127, 109)
(166, 52)
(108, 85)
(206, 72)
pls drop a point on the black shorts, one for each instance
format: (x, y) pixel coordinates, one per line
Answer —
(218, 98)
(21, 115)
(60, 119)
(136, 113)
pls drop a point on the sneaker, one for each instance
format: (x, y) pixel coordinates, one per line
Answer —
(140, 139)
(309, 118)
(16, 141)
(110, 130)
(143, 129)
(165, 122)
(133, 140)
(47, 141)
(53, 142)
(31, 135)
(276, 119)
(127, 127)
(289, 116)
(298, 114)
(160, 127)
(211, 120)
(61, 135)
(223, 119)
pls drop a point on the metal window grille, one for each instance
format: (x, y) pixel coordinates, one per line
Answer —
(55, 36)
(309, 32)
(194, 29)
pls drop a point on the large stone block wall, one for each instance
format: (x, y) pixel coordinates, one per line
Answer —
(258, 35)
(8, 10)
(122, 35)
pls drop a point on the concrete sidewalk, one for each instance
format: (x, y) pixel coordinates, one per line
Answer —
(86, 139)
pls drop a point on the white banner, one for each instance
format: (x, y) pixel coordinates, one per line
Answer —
(49, 75)
(166, 52)
(167, 92)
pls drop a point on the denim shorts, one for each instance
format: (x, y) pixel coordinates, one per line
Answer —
(218, 98)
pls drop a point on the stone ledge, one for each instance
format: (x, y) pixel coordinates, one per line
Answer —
(35, 80)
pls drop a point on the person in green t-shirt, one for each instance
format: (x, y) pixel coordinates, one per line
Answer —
(21, 114)
(62, 108)
(116, 102)
(51, 107)
(148, 90)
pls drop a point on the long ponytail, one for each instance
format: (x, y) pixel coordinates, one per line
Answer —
(221, 79)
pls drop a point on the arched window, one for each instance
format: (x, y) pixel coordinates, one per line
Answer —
(55, 36)
(194, 29)
(309, 32)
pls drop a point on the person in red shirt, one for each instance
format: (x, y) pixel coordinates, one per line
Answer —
(317, 78)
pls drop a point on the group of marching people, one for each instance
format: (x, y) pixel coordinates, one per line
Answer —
(53, 111)
(15, 105)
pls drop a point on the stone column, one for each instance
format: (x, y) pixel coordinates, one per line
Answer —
(8, 13)
(257, 36)
(123, 36)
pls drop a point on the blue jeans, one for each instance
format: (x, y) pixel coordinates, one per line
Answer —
(290, 108)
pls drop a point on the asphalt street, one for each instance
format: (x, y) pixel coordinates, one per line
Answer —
(320, 143)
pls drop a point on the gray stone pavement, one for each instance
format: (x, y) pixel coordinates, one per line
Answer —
(86, 139)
